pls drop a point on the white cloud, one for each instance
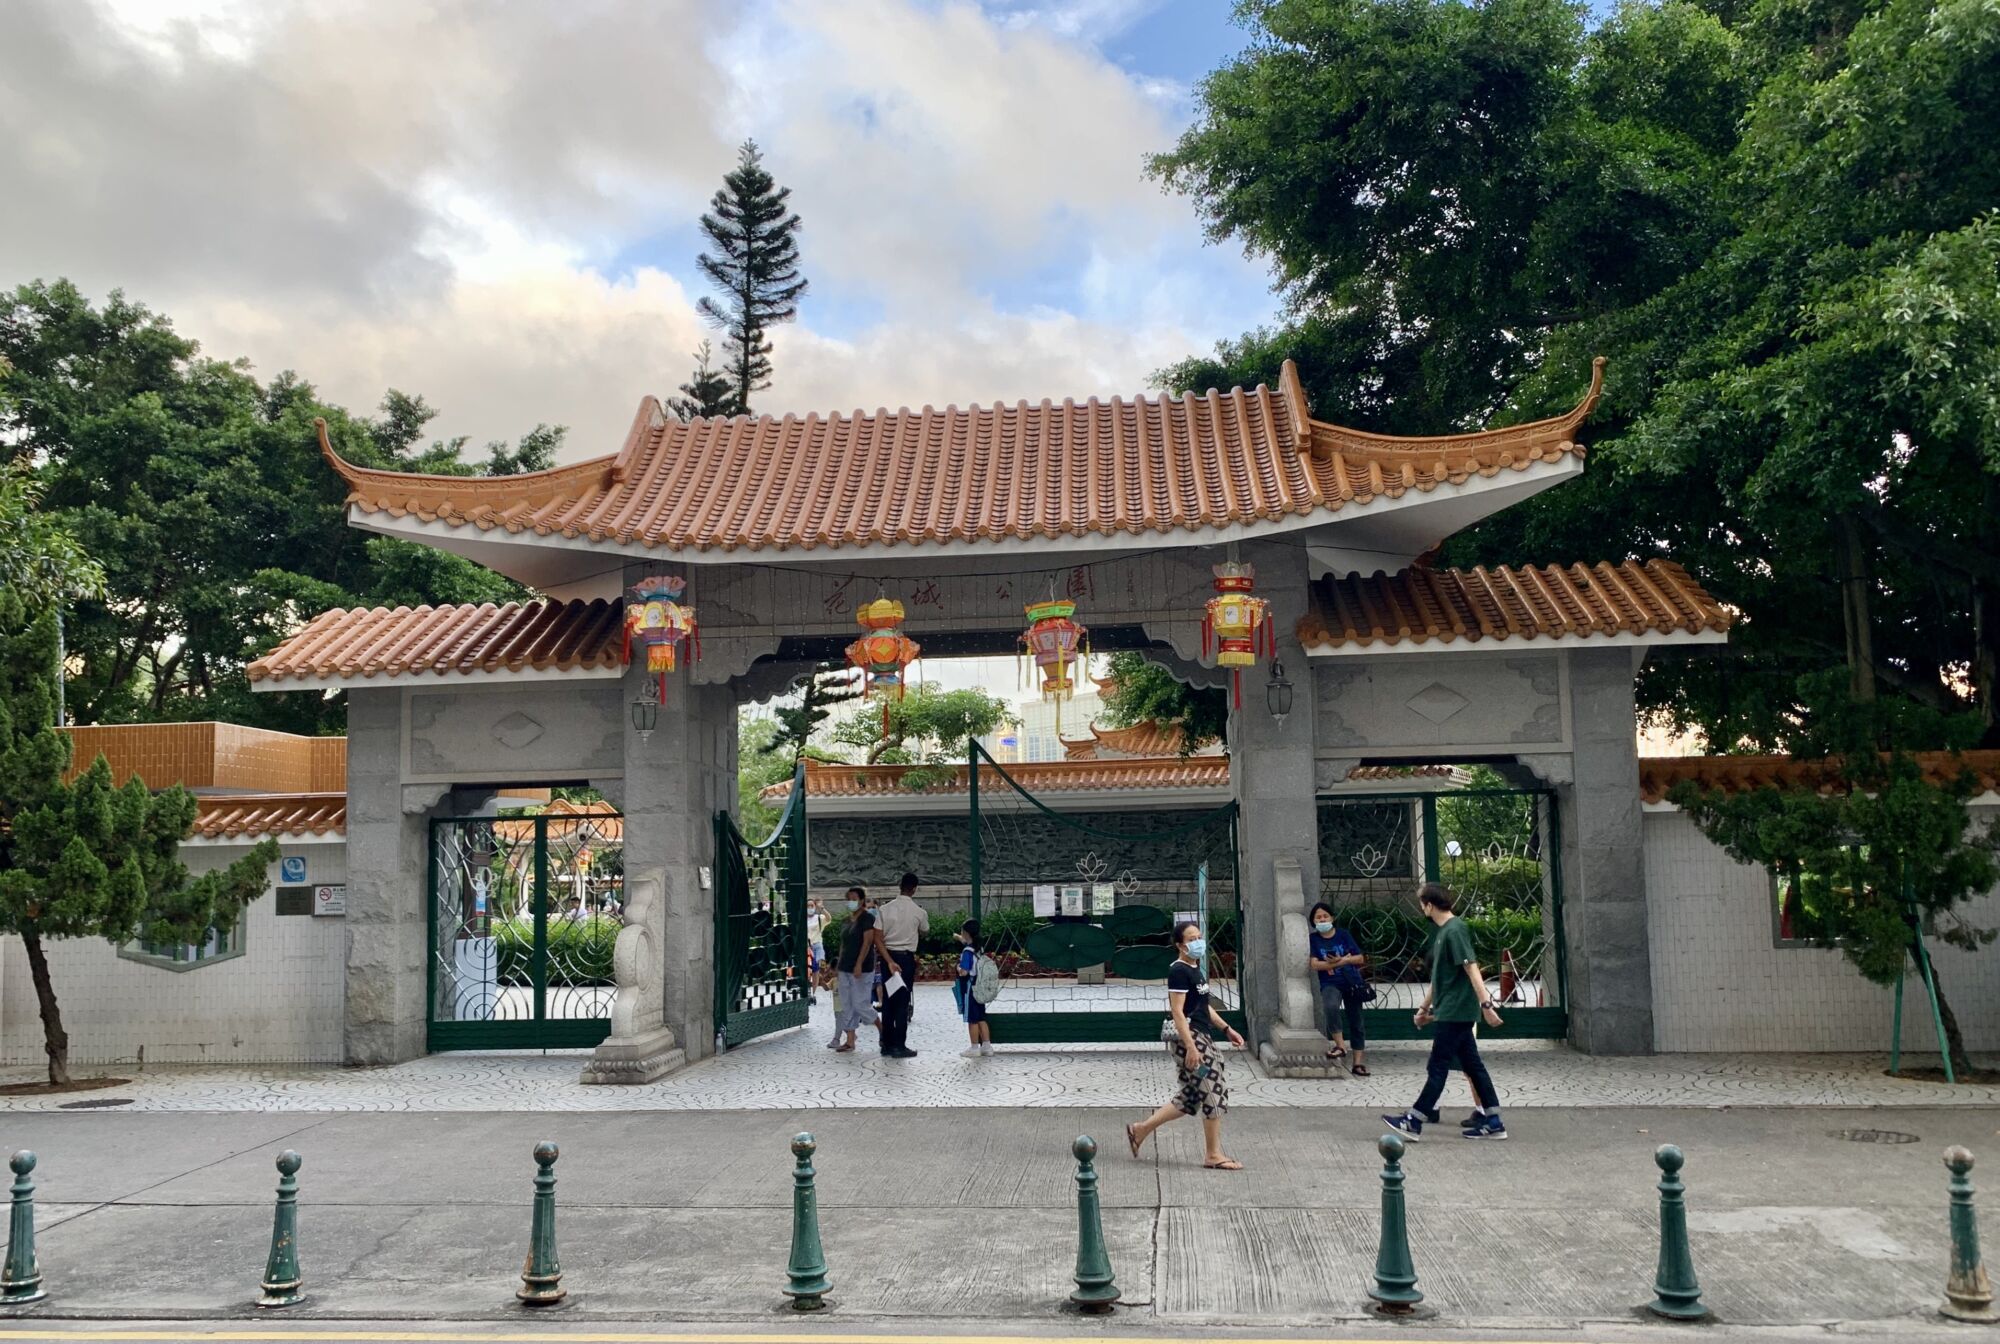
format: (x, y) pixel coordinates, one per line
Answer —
(445, 197)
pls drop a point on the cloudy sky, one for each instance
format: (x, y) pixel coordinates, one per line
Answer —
(494, 205)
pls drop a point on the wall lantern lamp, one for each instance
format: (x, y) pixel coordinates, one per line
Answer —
(646, 709)
(1278, 693)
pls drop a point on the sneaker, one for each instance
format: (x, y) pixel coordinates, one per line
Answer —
(985, 1048)
(1488, 1127)
(1472, 1121)
(1407, 1125)
(970, 1052)
(904, 1053)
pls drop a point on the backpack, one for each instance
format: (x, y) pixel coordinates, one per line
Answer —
(985, 980)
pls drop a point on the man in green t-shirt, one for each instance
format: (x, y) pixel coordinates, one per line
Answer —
(1456, 1001)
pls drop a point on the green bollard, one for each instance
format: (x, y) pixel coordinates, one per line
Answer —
(807, 1283)
(21, 1280)
(1677, 1295)
(283, 1285)
(1095, 1290)
(1395, 1291)
(541, 1276)
(1968, 1292)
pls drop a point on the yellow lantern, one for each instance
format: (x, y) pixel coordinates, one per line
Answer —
(1235, 622)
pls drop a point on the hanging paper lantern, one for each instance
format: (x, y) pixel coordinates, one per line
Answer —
(883, 652)
(1235, 622)
(1055, 641)
(657, 621)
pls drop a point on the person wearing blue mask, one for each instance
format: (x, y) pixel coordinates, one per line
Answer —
(1202, 1088)
(1342, 989)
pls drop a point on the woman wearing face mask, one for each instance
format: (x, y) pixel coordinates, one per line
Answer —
(855, 964)
(1342, 989)
(1202, 1090)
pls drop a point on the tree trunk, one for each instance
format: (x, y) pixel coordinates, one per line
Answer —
(1855, 578)
(1954, 1040)
(54, 1039)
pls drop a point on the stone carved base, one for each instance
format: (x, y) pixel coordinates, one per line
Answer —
(1292, 1053)
(635, 1059)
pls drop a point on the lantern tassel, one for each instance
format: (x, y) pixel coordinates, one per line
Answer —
(1236, 686)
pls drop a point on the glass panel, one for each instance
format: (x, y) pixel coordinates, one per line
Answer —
(586, 898)
(484, 935)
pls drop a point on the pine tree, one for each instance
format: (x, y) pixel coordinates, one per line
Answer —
(756, 268)
(85, 859)
(707, 392)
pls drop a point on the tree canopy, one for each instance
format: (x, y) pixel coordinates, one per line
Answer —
(1772, 217)
(928, 727)
(201, 493)
(1139, 691)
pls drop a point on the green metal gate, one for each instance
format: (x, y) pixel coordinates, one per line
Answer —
(760, 925)
(1497, 850)
(1079, 914)
(524, 912)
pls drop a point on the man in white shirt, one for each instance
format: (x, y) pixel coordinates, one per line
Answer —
(902, 922)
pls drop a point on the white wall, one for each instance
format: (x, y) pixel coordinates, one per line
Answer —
(1720, 983)
(281, 1002)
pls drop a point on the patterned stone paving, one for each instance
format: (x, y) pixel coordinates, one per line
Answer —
(795, 1070)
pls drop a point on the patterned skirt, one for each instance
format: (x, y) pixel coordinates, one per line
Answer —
(1204, 1096)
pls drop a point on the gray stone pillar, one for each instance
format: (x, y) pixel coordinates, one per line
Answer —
(1604, 873)
(1271, 769)
(674, 783)
(386, 858)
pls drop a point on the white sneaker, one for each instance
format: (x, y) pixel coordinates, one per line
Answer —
(985, 1049)
(970, 1052)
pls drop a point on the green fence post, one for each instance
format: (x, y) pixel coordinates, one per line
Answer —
(806, 1281)
(541, 1276)
(972, 816)
(1676, 1294)
(1395, 1291)
(283, 1285)
(1968, 1292)
(21, 1280)
(1095, 1290)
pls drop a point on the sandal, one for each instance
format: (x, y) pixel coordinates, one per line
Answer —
(1132, 1139)
(1226, 1164)
(842, 1049)
(1359, 1070)
(1338, 1052)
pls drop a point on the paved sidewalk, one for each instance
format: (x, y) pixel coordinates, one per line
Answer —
(970, 1215)
(794, 1070)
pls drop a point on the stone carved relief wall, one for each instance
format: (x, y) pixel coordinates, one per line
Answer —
(517, 734)
(1441, 705)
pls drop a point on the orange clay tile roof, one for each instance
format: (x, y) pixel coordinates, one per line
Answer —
(1149, 465)
(364, 643)
(886, 781)
(593, 823)
(252, 816)
(1422, 606)
(1072, 776)
(1150, 738)
(1738, 774)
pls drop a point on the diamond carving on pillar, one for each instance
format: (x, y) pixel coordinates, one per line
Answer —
(1437, 702)
(517, 730)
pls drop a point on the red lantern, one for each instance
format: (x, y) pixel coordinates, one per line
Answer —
(657, 621)
(883, 652)
(1235, 622)
(1057, 643)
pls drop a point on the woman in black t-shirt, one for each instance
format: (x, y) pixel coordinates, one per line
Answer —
(1203, 1090)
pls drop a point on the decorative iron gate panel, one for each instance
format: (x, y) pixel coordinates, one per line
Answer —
(760, 925)
(1497, 850)
(524, 912)
(1088, 959)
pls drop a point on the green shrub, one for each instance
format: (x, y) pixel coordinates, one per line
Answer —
(579, 951)
(1512, 883)
(941, 935)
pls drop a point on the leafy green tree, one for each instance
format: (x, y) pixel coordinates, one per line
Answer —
(1881, 856)
(1140, 691)
(762, 759)
(84, 859)
(756, 266)
(929, 727)
(1770, 215)
(39, 560)
(830, 686)
(707, 392)
(202, 494)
